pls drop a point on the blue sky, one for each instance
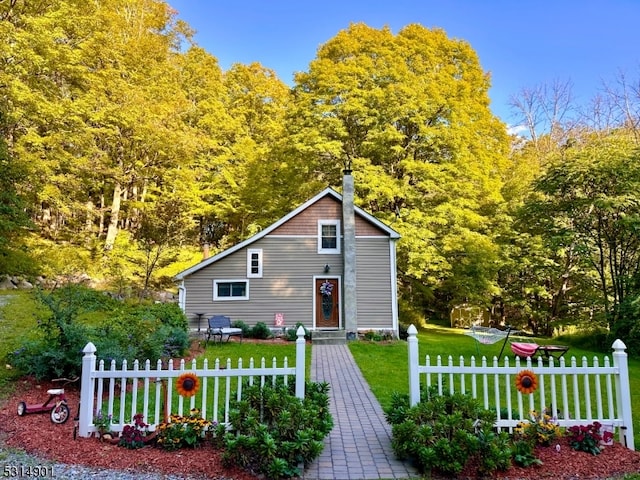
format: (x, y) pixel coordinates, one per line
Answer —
(522, 44)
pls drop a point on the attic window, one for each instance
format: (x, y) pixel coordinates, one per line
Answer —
(254, 263)
(230, 290)
(329, 236)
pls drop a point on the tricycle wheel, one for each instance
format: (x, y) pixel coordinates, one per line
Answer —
(22, 409)
(60, 413)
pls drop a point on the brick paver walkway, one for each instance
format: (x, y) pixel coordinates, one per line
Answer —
(359, 446)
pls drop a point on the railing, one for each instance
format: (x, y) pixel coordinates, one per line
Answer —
(149, 391)
(584, 393)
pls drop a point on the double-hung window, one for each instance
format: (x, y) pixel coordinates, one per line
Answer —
(329, 236)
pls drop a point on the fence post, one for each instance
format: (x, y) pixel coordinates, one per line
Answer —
(623, 393)
(414, 376)
(300, 362)
(87, 388)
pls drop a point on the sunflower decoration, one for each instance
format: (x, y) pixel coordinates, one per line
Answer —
(188, 384)
(526, 382)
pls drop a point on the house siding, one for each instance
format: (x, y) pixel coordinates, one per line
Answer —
(327, 208)
(373, 284)
(289, 265)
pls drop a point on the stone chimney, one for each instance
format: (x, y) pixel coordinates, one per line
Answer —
(205, 251)
(349, 298)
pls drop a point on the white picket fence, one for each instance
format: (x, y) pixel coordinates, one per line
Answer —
(577, 393)
(121, 388)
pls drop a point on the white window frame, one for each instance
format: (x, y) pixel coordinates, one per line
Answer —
(250, 253)
(332, 251)
(230, 280)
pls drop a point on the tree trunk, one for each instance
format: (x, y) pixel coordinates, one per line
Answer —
(112, 231)
(101, 224)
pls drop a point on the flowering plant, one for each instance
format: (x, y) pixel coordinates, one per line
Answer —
(326, 288)
(541, 428)
(102, 422)
(587, 438)
(182, 431)
(133, 435)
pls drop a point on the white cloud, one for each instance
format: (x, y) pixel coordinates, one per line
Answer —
(516, 129)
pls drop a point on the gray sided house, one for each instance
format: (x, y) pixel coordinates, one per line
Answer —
(327, 264)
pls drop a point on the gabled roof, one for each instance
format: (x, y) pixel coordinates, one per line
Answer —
(326, 192)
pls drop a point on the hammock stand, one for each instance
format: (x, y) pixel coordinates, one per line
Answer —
(489, 336)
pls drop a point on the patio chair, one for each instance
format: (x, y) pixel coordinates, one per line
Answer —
(220, 326)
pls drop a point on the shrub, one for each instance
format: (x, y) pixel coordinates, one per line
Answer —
(246, 329)
(445, 432)
(627, 327)
(523, 453)
(372, 336)
(57, 352)
(273, 431)
(169, 314)
(143, 332)
(260, 331)
(402, 331)
(292, 333)
(134, 332)
(173, 341)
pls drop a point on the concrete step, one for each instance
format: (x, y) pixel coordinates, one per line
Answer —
(329, 337)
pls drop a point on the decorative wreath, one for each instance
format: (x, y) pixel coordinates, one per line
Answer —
(326, 288)
(188, 384)
(526, 382)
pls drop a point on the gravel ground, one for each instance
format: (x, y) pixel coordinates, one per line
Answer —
(10, 458)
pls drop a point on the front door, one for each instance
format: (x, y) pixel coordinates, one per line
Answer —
(327, 303)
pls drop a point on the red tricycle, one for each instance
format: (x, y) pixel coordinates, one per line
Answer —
(56, 404)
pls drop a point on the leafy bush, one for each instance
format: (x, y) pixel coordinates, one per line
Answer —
(246, 329)
(495, 450)
(597, 339)
(169, 314)
(292, 333)
(627, 327)
(174, 341)
(260, 331)
(372, 336)
(523, 453)
(273, 431)
(57, 351)
(445, 432)
(129, 332)
(402, 331)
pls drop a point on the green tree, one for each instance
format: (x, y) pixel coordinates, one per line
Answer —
(409, 113)
(164, 227)
(589, 205)
(13, 220)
